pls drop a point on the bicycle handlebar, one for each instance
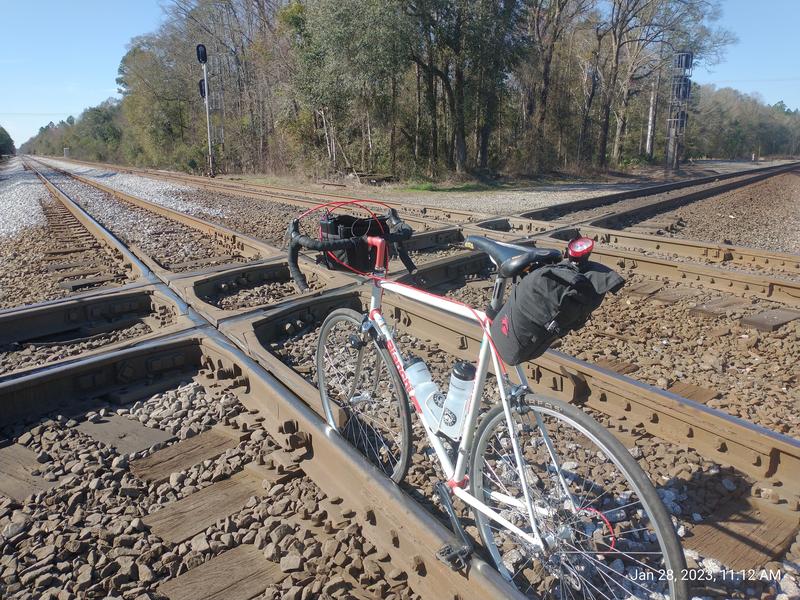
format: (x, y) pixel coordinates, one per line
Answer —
(399, 231)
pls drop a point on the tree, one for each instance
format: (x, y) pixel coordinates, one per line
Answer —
(6, 143)
(416, 87)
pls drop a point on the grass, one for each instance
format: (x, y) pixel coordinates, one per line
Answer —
(427, 186)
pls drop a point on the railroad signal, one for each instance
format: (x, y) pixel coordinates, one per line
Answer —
(202, 57)
(678, 106)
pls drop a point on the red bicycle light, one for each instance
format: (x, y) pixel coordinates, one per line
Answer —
(580, 248)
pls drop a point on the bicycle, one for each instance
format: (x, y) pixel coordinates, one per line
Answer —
(562, 508)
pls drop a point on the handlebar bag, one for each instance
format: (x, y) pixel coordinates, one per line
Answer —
(338, 227)
(547, 304)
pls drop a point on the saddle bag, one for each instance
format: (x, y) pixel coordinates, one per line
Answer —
(342, 227)
(547, 304)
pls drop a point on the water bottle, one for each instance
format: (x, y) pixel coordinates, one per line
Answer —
(462, 382)
(430, 399)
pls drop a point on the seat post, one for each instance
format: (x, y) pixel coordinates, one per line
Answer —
(497, 296)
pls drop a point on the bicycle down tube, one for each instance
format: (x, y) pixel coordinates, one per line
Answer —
(456, 474)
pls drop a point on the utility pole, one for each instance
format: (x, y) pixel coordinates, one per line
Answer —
(202, 57)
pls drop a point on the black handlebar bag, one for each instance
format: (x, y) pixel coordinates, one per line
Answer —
(360, 257)
(547, 304)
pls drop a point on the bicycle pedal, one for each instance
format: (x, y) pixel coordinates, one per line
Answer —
(456, 558)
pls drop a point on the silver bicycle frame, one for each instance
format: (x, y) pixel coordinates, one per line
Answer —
(456, 473)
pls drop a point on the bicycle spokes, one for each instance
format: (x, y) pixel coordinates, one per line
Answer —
(359, 384)
(598, 539)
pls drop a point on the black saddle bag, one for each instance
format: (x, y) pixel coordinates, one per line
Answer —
(547, 304)
(340, 227)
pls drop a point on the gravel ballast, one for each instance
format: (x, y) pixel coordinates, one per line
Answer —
(21, 193)
(28, 216)
(88, 537)
(171, 244)
(763, 215)
(692, 487)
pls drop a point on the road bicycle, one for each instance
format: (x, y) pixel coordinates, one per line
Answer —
(562, 508)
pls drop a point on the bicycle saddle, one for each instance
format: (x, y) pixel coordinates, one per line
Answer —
(510, 259)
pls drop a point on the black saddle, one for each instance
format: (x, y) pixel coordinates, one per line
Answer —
(510, 259)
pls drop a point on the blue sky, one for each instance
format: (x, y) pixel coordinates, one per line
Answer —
(60, 57)
(766, 59)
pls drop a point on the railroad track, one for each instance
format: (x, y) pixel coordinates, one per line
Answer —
(388, 546)
(430, 240)
(756, 273)
(298, 197)
(74, 258)
(155, 232)
(531, 223)
(597, 210)
(273, 403)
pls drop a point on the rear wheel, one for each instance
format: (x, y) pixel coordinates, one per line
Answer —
(610, 537)
(361, 393)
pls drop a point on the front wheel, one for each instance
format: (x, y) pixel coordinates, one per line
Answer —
(605, 531)
(362, 395)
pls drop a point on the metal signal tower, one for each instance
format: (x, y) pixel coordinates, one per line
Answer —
(680, 91)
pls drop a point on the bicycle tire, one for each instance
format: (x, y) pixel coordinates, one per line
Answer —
(573, 417)
(339, 405)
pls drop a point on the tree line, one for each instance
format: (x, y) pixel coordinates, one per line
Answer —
(6, 143)
(419, 88)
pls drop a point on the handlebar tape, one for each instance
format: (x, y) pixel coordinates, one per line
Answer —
(297, 240)
(398, 233)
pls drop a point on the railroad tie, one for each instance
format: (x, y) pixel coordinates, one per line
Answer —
(673, 295)
(76, 284)
(123, 434)
(744, 533)
(182, 520)
(16, 464)
(771, 320)
(208, 445)
(719, 307)
(240, 573)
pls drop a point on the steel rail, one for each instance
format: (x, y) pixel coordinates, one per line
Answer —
(38, 321)
(391, 519)
(769, 287)
(770, 458)
(718, 253)
(288, 195)
(516, 229)
(596, 201)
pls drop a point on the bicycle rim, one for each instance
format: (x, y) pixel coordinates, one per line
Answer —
(361, 394)
(611, 539)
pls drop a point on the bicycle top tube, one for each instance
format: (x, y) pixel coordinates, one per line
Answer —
(441, 302)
